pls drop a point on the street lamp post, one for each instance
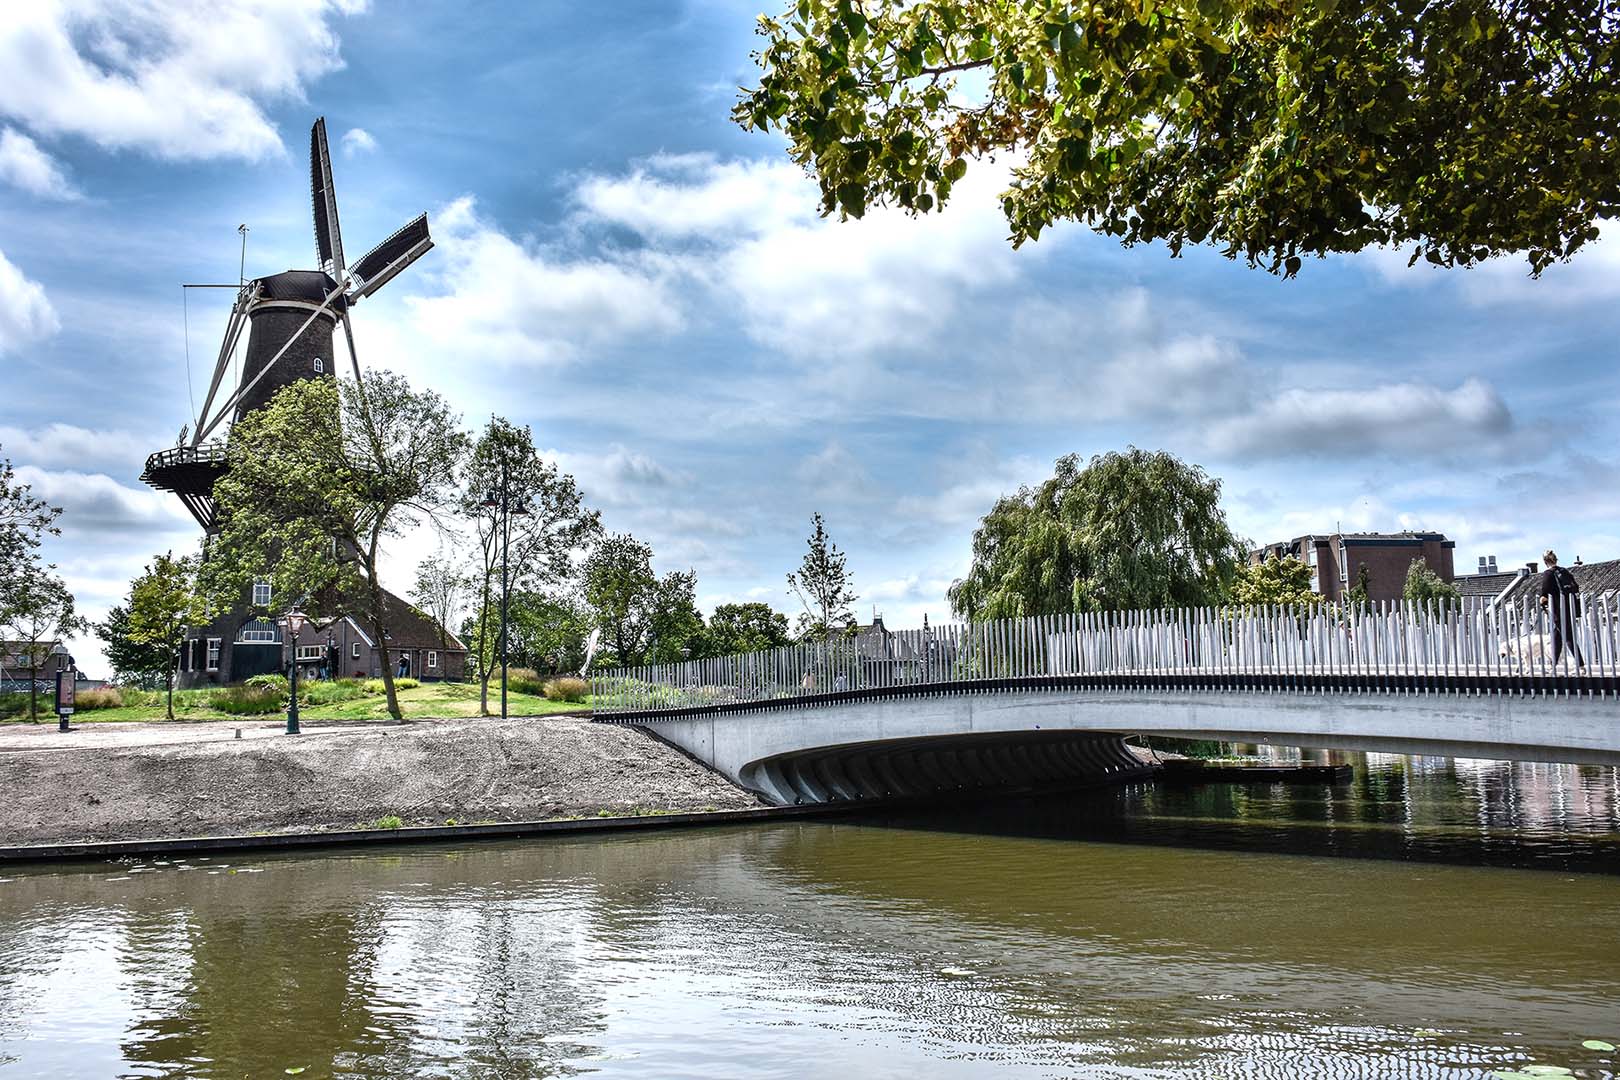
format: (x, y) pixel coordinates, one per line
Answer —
(295, 624)
(501, 501)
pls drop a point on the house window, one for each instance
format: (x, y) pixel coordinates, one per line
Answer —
(354, 650)
(258, 632)
(213, 654)
(261, 594)
(311, 654)
(433, 659)
(320, 365)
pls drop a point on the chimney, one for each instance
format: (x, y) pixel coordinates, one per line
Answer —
(1483, 563)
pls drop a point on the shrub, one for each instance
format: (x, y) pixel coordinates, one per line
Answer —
(107, 697)
(272, 681)
(566, 688)
(391, 821)
(375, 686)
(330, 691)
(525, 680)
(246, 700)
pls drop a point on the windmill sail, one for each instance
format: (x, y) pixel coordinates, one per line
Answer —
(328, 237)
(381, 263)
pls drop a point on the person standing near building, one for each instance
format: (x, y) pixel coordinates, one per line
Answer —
(1560, 595)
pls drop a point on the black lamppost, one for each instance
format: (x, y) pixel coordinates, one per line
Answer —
(295, 624)
(502, 503)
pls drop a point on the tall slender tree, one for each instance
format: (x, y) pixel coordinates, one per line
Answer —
(163, 602)
(38, 613)
(440, 587)
(822, 584)
(541, 541)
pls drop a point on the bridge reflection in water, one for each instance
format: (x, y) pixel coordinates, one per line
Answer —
(1047, 700)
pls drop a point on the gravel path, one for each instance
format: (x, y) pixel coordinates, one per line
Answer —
(131, 781)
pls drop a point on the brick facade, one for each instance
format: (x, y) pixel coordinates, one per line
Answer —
(1336, 560)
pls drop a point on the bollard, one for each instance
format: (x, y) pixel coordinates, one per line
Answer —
(238, 733)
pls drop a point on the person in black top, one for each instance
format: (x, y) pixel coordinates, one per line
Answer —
(1559, 594)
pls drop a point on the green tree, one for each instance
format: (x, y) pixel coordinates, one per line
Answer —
(1425, 586)
(554, 524)
(644, 618)
(439, 588)
(24, 519)
(545, 631)
(1461, 128)
(1358, 592)
(823, 585)
(1136, 529)
(163, 601)
(37, 611)
(740, 628)
(1275, 581)
(319, 478)
(132, 661)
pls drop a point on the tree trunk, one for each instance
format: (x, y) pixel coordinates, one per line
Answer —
(33, 694)
(171, 695)
(377, 628)
(483, 640)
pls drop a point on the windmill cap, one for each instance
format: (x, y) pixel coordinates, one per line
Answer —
(311, 286)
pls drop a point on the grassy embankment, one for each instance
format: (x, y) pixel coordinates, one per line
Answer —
(427, 700)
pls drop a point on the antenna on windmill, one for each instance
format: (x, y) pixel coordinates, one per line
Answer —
(241, 273)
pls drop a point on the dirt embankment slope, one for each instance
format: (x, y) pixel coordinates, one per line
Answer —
(117, 788)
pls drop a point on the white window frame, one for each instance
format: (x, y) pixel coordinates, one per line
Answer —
(311, 654)
(433, 660)
(258, 632)
(320, 365)
(211, 655)
(261, 587)
(354, 651)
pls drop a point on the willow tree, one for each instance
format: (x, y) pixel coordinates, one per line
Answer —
(319, 478)
(1274, 129)
(1137, 529)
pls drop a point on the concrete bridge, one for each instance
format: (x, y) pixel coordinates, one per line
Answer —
(1049, 701)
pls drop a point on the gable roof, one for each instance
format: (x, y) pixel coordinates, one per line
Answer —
(1594, 579)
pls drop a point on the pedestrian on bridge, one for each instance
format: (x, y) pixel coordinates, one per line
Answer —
(1561, 596)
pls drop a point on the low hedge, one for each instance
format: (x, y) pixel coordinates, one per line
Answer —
(246, 700)
(565, 688)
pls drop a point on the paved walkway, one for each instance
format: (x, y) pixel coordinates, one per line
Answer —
(15, 738)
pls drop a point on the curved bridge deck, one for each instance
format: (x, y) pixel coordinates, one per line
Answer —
(1041, 701)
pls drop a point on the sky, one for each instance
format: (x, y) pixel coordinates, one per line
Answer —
(650, 288)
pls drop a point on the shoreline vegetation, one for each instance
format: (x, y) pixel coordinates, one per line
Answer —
(342, 699)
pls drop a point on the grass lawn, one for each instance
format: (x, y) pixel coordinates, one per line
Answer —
(429, 699)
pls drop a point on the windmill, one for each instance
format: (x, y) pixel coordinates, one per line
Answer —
(292, 319)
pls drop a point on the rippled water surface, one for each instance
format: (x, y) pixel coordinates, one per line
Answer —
(1198, 932)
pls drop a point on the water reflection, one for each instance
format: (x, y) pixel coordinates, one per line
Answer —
(955, 947)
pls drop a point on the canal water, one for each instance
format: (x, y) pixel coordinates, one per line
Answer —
(1430, 919)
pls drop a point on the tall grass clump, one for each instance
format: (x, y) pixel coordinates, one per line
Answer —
(106, 697)
(330, 691)
(375, 686)
(565, 688)
(246, 700)
(272, 681)
(524, 680)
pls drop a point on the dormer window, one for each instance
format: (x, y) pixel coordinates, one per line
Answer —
(261, 594)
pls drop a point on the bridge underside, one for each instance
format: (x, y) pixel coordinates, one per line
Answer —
(935, 766)
(922, 742)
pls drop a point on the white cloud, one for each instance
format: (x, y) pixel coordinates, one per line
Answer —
(25, 313)
(179, 80)
(512, 301)
(24, 165)
(57, 445)
(95, 501)
(1592, 275)
(1371, 419)
(358, 141)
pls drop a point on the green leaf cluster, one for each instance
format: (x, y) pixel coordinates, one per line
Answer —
(1272, 129)
(1425, 586)
(1275, 581)
(1127, 530)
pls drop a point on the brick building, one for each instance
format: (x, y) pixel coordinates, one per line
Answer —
(235, 648)
(1336, 560)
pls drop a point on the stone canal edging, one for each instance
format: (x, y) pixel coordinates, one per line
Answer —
(118, 849)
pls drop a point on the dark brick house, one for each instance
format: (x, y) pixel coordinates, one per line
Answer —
(1336, 560)
(236, 647)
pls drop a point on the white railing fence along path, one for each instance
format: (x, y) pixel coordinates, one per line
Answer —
(1450, 647)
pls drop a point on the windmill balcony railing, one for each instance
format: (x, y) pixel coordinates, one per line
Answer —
(1449, 647)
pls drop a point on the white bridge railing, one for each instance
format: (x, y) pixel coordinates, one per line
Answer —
(1450, 647)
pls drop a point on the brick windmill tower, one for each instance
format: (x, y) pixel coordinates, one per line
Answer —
(292, 320)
